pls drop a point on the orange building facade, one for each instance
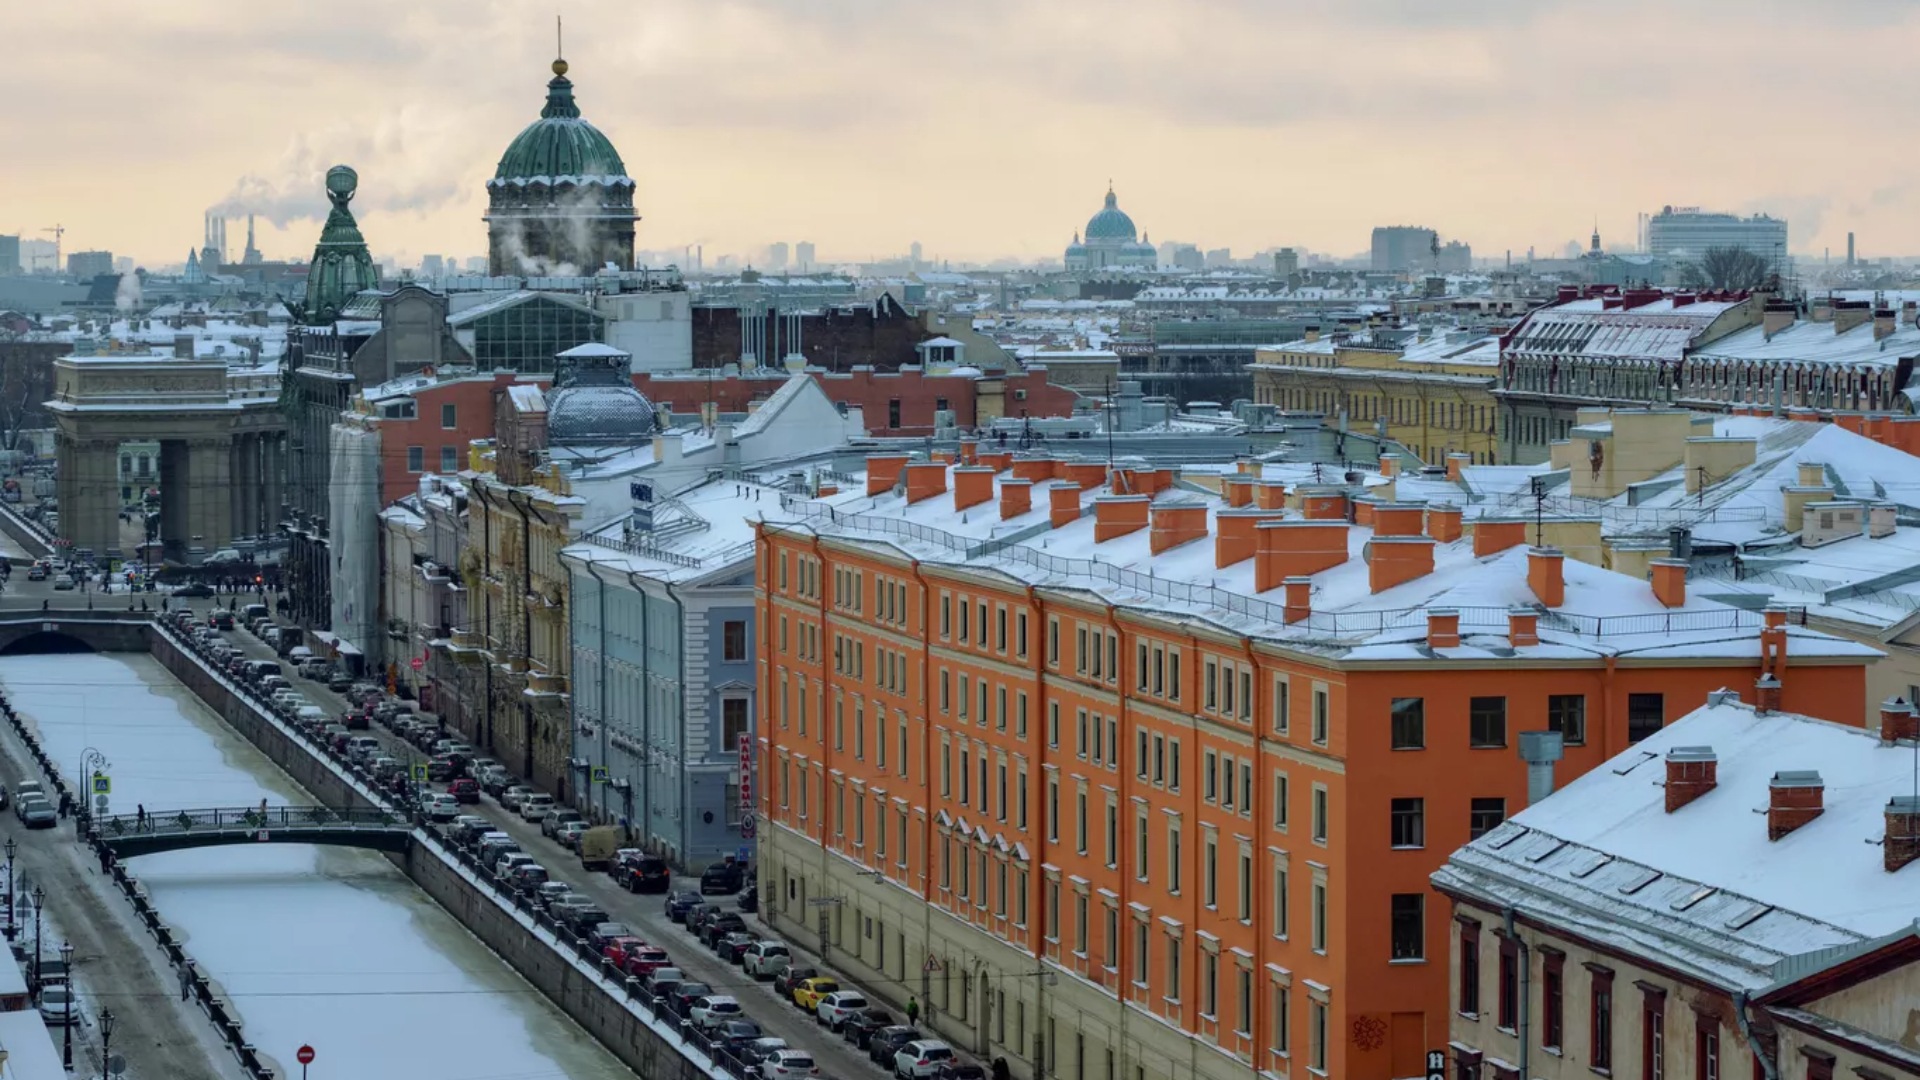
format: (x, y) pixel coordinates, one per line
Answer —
(1122, 780)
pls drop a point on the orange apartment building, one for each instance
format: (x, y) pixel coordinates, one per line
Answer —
(1136, 781)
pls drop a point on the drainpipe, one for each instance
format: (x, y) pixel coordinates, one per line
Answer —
(1526, 987)
(926, 778)
(686, 809)
(646, 722)
(1741, 1002)
(600, 585)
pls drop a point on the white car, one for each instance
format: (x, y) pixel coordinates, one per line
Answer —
(766, 958)
(442, 807)
(837, 1007)
(788, 1065)
(534, 805)
(713, 1010)
(921, 1058)
(57, 1006)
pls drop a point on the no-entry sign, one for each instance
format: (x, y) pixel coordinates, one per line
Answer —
(305, 1055)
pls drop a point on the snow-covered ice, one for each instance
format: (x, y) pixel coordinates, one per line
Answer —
(323, 946)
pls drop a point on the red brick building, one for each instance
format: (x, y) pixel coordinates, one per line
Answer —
(880, 334)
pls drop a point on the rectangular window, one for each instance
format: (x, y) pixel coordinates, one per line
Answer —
(1080, 822)
(1706, 1049)
(1053, 642)
(1282, 707)
(946, 617)
(449, 460)
(1319, 814)
(1020, 635)
(1280, 786)
(1646, 714)
(1319, 917)
(1409, 723)
(1210, 873)
(1567, 714)
(1409, 915)
(1281, 912)
(1600, 1023)
(1508, 1003)
(1282, 1019)
(1317, 1036)
(1409, 823)
(1209, 790)
(1246, 886)
(1552, 1001)
(734, 641)
(1053, 724)
(1173, 764)
(448, 417)
(1053, 808)
(1173, 856)
(1487, 721)
(1173, 968)
(966, 623)
(1140, 953)
(1320, 717)
(1484, 816)
(1653, 1037)
(1470, 969)
(416, 459)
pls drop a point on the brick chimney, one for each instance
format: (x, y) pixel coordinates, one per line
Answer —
(883, 471)
(1884, 323)
(1779, 315)
(1033, 470)
(1016, 498)
(1118, 515)
(1088, 474)
(925, 479)
(1299, 602)
(1766, 691)
(1545, 566)
(1902, 844)
(1796, 797)
(1898, 721)
(1176, 525)
(1395, 560)
(969, 451)
(1490, 537)
(1456, 463)
(1270, 494)
(1063, 503)
(1239, 491)
(1670, 582)
(1848, 314)
(972, 485)
(1234, 540)
(1397, 519)
(1324, 506)
(998, 460)
(1389, 465)
(1692, 771)
(1523, 627)
(1284, 549)
(1443, 522)
(1443, 628)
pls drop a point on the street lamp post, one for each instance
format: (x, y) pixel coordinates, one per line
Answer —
(39, 900)
(66, 957)
(106, 1042)
(11, 929)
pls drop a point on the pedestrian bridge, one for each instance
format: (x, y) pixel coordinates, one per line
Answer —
(128, 835)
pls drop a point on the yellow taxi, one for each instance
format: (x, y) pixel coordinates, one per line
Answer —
(807, 993)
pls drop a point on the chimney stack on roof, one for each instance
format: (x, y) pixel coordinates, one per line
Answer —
(1285, 549)
(1176, 525)
(1443, 628)
(1270, 494)
(1234, 540)
(1456, 466)
(1778, 315)
(1016, 497)
(1238, 490)
(1902, 843)
(1443, 522)
(1118, 515)
(1545, 575)
(1795, 798)
(1692, 771)
(1884, 323)
(1491, 537)
(972, 485)
(925, 479)
(1523, 627)
(883, 471)
(1898, 721)
(1088, 474)
(1848, 314)
(1063, 503)
(1389, 465)
(1670, 582)
(1033, 470)
(1396, 560)
(1299, 599)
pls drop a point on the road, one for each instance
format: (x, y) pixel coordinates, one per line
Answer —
(116, 963)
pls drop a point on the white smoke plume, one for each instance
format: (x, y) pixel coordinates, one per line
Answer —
(126, 296)
(402, 162)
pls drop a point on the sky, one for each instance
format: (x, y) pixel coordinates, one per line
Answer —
(981, 128)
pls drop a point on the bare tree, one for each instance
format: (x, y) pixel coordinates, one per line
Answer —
(26, 381)
(1731, 268)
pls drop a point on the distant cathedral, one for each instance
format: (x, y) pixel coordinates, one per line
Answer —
(1110, 242)
(561, 201)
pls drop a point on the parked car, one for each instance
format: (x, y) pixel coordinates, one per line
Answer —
(495, 781)
(551, 893)
(722, 877)
(464, 791)
(623, 949)
(563, 910)
(807, 995)
(959, 1070)
(838, 1007)
(680, 903)
(646, 959)
(757, 1051)
(733, 946)
(657, 982)
(766, 958)
(194, 590)
(568, 835)
(712, 1010)
(36, 813)
(443, 808)
(637, 872)
(550, 823)
(859, 1028)
(57, 1005)
(788, 1065)
(584, 920)
(600, 933)
(443, 769)
(680, 1000)
(698, 917)
(887, 1041)
(511, 795)
(789, 978)
(719, 927)
(534, 805)
(749, 898)
(920, 1059)
(528, 878)
(734, 1034)
(461, 829)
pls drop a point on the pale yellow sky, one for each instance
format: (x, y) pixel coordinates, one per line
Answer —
(978, 127)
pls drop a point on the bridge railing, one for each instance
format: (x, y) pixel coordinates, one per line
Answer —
(173, 822)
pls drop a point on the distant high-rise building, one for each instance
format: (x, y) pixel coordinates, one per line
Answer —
(1399, 248)
(1455, 258)
(1849, 250)
(476, 264)
(803, 253)
(914, 254)
(1286, 262)
(777, 255)
(9, 255)
(1687, 233)
(432, 266)
(1220, 257)
(87, 265)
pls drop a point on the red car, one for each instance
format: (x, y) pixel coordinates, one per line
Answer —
(464, 791)
(636, 957)
(620, 949)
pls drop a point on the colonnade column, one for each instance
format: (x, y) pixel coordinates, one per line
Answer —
(210, 487)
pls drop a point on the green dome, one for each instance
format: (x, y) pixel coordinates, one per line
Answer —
(1111, 223)
(560, 143)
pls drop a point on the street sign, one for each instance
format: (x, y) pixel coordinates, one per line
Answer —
(260, 837)
(100, 804)
(599, 774)
(305, 1056)
(746, 771)
(417, 663)
(932, 965)
(746, 826)
(102, 784)
(116, 1065)
(420, 773)
(1436, 1065)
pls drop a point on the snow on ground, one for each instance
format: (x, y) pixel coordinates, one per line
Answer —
(321, 946)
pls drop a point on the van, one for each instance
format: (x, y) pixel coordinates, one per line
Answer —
(597, 847)
(253, 611)
(299, 655)
(27, 789)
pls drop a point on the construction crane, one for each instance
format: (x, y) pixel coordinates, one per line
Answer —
(58, 231)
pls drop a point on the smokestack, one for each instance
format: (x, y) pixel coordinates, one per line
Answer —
(1540, 749)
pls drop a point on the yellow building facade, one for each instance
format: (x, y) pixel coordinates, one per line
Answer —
(1432, 395)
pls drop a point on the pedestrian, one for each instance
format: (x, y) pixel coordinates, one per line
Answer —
(140, 817)
(186, 980)
(913, 1010)
(1000, 1069)
(263, 811)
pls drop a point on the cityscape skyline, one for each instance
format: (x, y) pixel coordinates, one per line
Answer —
(1473, 92)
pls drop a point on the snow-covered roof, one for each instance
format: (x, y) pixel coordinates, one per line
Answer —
(1815, 343)
(1586, 328)
(1703, 888)
(707, 529)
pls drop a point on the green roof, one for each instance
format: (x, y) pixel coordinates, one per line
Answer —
(341, 265)
(560, 143)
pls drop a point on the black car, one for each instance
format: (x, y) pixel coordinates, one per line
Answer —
(681, 998)
(749, 900)
(733, 946)
(722, 877)
(195, 590)
(784, 982)
(698, 918)
(859, 1028)
(719, 927)
(680, 903)
(883, 1044)
(643, 873)
(733, 1034)
(599, 935)
(954, 1070)
(584, 920)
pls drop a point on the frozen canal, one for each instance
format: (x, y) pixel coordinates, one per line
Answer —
(325, 946)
